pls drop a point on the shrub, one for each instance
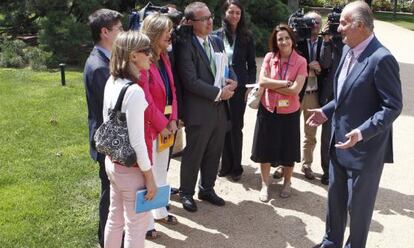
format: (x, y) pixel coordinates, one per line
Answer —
(12, 53)
(38, 59)
(381, 5)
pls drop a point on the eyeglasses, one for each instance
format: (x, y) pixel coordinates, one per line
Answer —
(146, 51)
(204, 18)
(120, 28)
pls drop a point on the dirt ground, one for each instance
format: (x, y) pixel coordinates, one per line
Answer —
(298, 221)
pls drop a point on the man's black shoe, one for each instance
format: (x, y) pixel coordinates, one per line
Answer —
(236, 178)
(325, 180)
(188, 203)
(174, 191)
(211, 197)
(221, 174)
(321, 245)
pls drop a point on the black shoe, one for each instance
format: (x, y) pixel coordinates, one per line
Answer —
(221, 174)
(188, 203)
(211, 197)
(321, 245)
(177, 154)
(325, 180)
(236, 178)
(174, 191)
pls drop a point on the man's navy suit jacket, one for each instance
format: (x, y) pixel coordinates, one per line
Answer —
(95, 75)
(370, 100)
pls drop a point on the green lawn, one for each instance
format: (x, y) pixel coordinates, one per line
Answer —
(405, 21)
(49, 187)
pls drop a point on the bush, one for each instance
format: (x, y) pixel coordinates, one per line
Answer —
(38, 59)
(384, 5)
(12, 53)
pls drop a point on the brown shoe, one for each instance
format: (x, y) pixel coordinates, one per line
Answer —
(308, 173)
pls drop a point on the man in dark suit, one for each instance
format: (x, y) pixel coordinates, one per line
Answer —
(105, 25)
(367, 99)
(205, 110)
(319, 57)
(325, 91)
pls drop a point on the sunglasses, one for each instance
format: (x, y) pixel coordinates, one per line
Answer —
(146, 51)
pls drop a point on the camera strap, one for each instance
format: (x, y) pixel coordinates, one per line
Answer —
(311, 47)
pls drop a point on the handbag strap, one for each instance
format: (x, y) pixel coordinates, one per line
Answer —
(121, 97)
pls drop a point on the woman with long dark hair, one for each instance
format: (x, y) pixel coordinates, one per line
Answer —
(240, 49)
(277, 132)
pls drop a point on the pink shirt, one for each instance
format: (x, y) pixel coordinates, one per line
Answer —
(274, 101)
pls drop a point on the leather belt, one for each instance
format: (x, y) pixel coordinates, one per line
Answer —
(311, 91)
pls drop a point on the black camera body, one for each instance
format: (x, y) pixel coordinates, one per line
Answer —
(302, 26)
(136, 17)
(180, 33)
(333, 21)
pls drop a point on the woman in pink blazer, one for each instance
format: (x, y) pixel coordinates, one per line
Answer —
(163, 113)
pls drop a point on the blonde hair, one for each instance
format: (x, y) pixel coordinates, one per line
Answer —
(124, 45)
(153, 26)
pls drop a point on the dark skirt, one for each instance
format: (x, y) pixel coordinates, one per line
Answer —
(276, 138)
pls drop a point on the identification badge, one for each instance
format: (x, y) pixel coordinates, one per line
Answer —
(168, 110)
(283, 103)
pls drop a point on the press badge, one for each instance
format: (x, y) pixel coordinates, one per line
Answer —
(168, 110)
(283, 103)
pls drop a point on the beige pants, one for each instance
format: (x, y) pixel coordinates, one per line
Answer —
(310, 101)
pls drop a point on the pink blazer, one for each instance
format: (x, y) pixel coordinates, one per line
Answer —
(297, 66)
(158, 98)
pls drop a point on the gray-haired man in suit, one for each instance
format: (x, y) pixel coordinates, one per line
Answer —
(205, 107)
(367, 100)
(105, 25)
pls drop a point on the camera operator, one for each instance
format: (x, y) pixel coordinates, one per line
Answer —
(319, 57)
(334, 43)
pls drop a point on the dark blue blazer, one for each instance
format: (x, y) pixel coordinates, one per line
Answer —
(95, 75)
(370, 100)
(244, 59)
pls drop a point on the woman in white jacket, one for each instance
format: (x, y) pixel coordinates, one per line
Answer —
(130, 54)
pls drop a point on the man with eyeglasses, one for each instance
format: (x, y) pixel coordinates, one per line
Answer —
(105, 25)
(319, 57)
(205, 107)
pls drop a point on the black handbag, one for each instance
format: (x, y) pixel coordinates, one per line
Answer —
(112, 138)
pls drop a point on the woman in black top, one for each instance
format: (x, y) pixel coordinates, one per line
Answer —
(240, 49)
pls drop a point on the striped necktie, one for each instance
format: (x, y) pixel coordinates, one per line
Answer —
(208, 52)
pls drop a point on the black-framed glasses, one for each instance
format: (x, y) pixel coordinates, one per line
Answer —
(146, 51)
(204, 18)
(120, 28)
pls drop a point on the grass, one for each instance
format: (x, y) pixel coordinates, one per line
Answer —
(49, 187)
(405, 21)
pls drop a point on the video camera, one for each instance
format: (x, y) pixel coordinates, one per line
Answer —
(333, 22)
(302, 26)
(180, 32)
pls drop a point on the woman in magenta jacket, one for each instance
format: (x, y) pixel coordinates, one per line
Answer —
(163, 112)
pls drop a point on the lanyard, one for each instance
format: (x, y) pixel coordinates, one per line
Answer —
(280, 69)
(163, 72)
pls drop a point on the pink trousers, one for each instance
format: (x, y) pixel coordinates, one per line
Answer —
(122, 217)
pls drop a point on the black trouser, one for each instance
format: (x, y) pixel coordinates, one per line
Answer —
(325, 138)
(204, 145)
(104, 201)
(233, 144)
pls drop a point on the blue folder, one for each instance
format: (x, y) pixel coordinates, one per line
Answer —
(161, 199)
